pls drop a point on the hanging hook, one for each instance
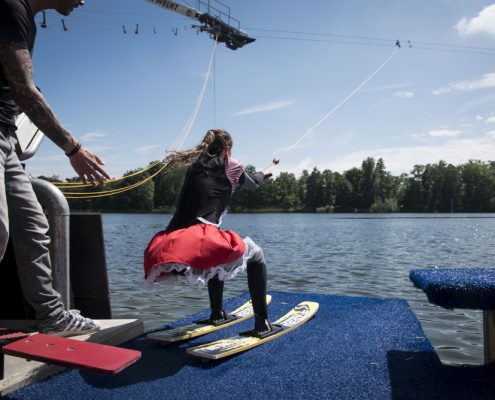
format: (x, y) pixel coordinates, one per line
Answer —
(43, 23)
(137, 29)
(63, 25)
(123, 29)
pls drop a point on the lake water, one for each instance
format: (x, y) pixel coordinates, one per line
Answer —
(341, 254)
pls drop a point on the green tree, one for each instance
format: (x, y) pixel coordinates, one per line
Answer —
(167, 187)
(314, 190)
(354, 201)
(286, 192)
(478, 183)
(367, 184)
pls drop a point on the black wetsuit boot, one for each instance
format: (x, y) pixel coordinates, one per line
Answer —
(256, 272)
(215, 292)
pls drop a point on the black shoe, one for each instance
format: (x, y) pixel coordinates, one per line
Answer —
(261, 325)
(217, 317)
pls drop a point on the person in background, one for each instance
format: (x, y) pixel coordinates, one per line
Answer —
(21, 215)
(193, 245)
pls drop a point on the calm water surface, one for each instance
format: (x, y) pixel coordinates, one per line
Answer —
(343, 254)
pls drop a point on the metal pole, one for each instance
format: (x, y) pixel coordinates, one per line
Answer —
(58, 214)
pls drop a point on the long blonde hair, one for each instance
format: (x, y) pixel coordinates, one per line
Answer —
(212, 145)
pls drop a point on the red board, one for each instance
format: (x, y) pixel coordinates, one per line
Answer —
(73, 353)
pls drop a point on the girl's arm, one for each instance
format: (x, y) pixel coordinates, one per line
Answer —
(253, 182)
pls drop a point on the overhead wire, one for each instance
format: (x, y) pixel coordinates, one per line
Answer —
(387, 40)
(363, 40)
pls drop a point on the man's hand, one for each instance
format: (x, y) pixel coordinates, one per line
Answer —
(89, 167)
(267, 176)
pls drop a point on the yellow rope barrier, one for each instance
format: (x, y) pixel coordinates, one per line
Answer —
(72, 185)
(91, 195)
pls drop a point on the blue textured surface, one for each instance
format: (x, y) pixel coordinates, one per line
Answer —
(354, 348)
(457, 287)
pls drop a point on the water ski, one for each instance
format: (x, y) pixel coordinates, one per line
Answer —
(300, 314)
(72, 353)
(200, 328)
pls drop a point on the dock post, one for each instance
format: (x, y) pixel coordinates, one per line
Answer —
(58, 214)
(489, 336)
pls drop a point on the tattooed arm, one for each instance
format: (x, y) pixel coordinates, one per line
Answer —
(17, 67)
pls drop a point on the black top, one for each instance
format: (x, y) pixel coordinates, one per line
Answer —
(205, 193)
(17, 26)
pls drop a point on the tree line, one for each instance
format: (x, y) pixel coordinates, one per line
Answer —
(439, 187)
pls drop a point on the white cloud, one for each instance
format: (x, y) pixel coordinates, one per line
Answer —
(92, 136)
(438, 133)
(484, 22)
(404, 94)
(479, 118)
(265, 107)
(490, 120)
(297, 168)
(476, 104)
(402, 159)
(486, 81)
(145, 149)
(390, 87)
(98, 149)
(444, 133)
(491, 134)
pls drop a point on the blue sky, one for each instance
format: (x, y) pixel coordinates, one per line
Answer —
(128, 96)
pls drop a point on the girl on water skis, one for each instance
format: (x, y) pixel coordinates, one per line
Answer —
(193, 246)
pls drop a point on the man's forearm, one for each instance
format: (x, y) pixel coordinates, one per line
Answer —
(40, 113)
(16, 65)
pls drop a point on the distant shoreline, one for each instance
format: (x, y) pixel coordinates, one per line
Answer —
(275, 211)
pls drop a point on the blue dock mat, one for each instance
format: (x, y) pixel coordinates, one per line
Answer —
(354, 348)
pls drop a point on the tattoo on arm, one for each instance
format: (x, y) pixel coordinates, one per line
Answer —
(17, 68)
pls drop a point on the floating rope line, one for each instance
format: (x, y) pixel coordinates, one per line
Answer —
(282, 154)
(175, 147)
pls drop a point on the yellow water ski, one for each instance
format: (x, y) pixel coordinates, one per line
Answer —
(300, 314)
(198, 329)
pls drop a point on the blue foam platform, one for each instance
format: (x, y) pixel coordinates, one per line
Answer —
(472, 288)
(354, 348)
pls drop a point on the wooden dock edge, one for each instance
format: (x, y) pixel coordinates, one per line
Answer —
(19, 372)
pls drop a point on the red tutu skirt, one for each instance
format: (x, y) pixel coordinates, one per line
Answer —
(199, 252)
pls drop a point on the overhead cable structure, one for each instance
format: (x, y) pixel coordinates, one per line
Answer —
(214, 18)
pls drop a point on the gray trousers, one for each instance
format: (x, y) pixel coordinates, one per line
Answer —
(22, 217)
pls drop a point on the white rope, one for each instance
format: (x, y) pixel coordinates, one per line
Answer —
(190, 122)
(310, 130)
